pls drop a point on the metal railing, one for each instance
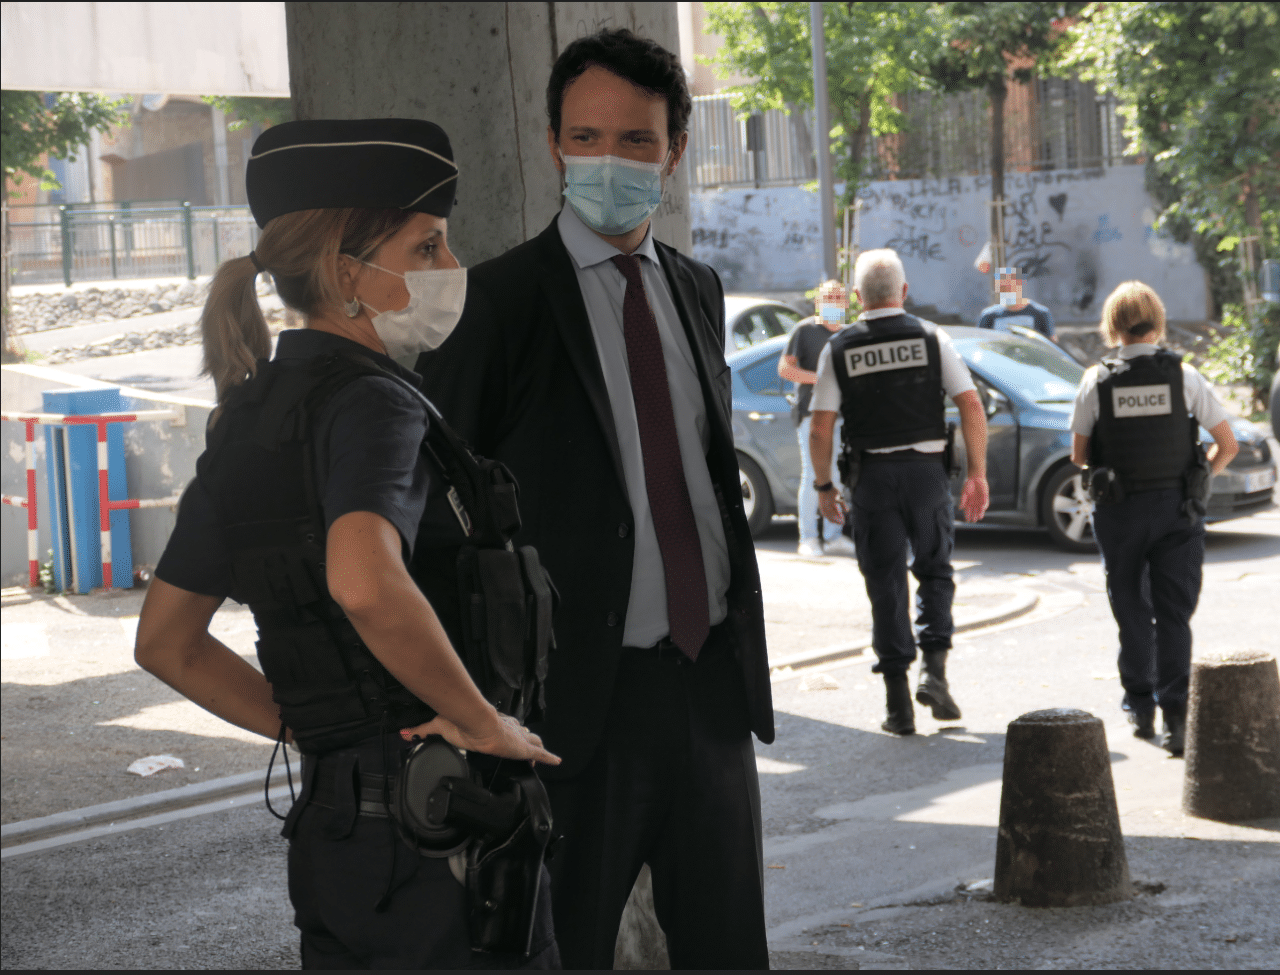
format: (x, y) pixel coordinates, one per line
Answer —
(1053, 123)
(99, 242)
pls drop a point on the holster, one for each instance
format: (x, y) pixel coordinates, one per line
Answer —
(1103, 485)
(849, 464)
(1198, 485)
(950, 458)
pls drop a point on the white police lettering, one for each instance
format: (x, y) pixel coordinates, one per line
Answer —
(1129, 401)
(903, 354)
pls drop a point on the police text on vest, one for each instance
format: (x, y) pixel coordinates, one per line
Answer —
(1141, 401)
(902, 354)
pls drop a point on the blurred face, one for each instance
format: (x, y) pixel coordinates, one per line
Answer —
(605, 115)
(1010, 283)
(420, 245)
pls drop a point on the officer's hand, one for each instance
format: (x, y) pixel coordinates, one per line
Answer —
(832, 506)
(975, 498)
(505, 738)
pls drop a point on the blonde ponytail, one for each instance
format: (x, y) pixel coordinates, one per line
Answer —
(300, 250)
(234, 332)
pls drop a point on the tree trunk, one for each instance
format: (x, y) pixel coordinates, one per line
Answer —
(857, 136)
(997, 91)
(804, 141)
(4, 273)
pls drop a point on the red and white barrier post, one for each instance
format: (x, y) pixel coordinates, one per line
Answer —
(29, 502)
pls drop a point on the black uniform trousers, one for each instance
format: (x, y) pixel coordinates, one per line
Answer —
(904, 499)
(1152, 552)
(341, 864)
(673, 784)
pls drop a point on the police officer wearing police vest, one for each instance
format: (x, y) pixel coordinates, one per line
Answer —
(1150, 481)
(887, 376)
(307, 504)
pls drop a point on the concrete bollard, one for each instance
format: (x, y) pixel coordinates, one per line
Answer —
(1233, 738)
(1059, 843)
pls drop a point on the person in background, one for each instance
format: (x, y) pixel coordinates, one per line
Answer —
(798, 365)
(888, 375)
(1147, 475)
(1015, 309)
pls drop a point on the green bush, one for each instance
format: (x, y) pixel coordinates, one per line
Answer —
(1246, 355)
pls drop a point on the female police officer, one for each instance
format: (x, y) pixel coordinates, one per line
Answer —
(306, 505)
(1132, 433)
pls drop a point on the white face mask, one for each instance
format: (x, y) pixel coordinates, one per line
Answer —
(435, 304)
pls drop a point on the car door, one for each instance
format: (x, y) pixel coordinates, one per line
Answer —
(768, 419)
(1002, 446)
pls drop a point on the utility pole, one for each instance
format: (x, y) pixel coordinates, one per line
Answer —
(826, 189)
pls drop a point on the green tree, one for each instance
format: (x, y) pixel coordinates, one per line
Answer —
(873, 54)
(30, 129)
(983, 45)
(252, 111)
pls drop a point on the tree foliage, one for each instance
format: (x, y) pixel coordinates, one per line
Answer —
(1199, 86)
(874, 52)
(252, 111)
(29, 128)
(983, 45)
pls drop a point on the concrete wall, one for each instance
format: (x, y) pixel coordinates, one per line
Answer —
(480, 71)
(1077, 234)
(160, 459)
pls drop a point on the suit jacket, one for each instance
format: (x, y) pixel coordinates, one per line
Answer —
(520, 380)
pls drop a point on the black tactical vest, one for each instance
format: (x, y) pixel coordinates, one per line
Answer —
(890, 375)
(332, 690)
(1144, 433)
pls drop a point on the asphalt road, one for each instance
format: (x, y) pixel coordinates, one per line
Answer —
(866, 836)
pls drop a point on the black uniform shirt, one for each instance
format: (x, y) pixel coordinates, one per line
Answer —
(366, 444)
(806, 344)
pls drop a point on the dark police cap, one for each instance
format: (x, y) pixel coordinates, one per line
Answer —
(375, 164)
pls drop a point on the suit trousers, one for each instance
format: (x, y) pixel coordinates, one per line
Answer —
(1153, 554)
(899, 502)
(674, 785)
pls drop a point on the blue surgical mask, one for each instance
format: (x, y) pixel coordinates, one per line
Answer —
(612, 195)
(831, 314)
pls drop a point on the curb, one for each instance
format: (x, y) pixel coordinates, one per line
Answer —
(1017, 605)
(203, 793)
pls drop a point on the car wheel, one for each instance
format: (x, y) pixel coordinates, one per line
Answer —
(757, 499)
(1065, 509)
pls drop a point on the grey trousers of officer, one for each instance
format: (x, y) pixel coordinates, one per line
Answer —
(897, 503)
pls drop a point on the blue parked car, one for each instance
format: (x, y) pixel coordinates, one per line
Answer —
(1027, 385)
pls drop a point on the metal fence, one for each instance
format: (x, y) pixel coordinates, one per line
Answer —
(1054, 123)
(101, 242)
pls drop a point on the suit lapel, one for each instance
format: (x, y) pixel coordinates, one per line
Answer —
(560, 286)
(699, 331)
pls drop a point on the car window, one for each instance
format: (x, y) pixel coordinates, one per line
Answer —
(762, 377)
(1041, 374)
(755, 326)
(786, 320)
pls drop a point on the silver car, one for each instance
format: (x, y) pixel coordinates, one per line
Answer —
(1027, 385)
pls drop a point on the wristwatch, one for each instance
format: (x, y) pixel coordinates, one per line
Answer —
(821, 488)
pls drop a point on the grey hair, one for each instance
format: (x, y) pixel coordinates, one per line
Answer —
(879, 276)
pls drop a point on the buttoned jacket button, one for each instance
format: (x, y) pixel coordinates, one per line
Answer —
(624, 530)
(612, 619)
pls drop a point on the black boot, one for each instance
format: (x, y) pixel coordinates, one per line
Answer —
(933, 689)
(1144, 723)
(897, 695)
(1175, 727)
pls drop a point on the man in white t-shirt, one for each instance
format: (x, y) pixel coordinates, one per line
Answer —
(887, 376)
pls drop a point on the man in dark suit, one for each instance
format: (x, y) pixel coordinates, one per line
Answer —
(591, 361)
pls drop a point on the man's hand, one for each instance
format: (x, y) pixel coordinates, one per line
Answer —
(506, 738)
(975, 498)
(832, 505)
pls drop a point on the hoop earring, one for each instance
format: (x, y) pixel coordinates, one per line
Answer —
(352, 308)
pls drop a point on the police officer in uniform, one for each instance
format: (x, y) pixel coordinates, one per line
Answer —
(1149, 480)
(316, 487)
(887, 376)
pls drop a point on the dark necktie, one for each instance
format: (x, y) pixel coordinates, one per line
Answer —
(687, 612)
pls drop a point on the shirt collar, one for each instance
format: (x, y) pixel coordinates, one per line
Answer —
(1137, 349)
(303, 343)
(880, 313)
(588, 249)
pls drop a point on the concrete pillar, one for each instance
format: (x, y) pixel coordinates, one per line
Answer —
(480, 71)
(222, 181)
(1059, 843)
(1233, 738)
(641, 945)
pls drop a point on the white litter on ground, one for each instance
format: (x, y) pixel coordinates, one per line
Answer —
(155, 763)
(819, 682)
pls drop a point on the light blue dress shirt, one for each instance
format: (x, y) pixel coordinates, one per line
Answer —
(603, 288)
